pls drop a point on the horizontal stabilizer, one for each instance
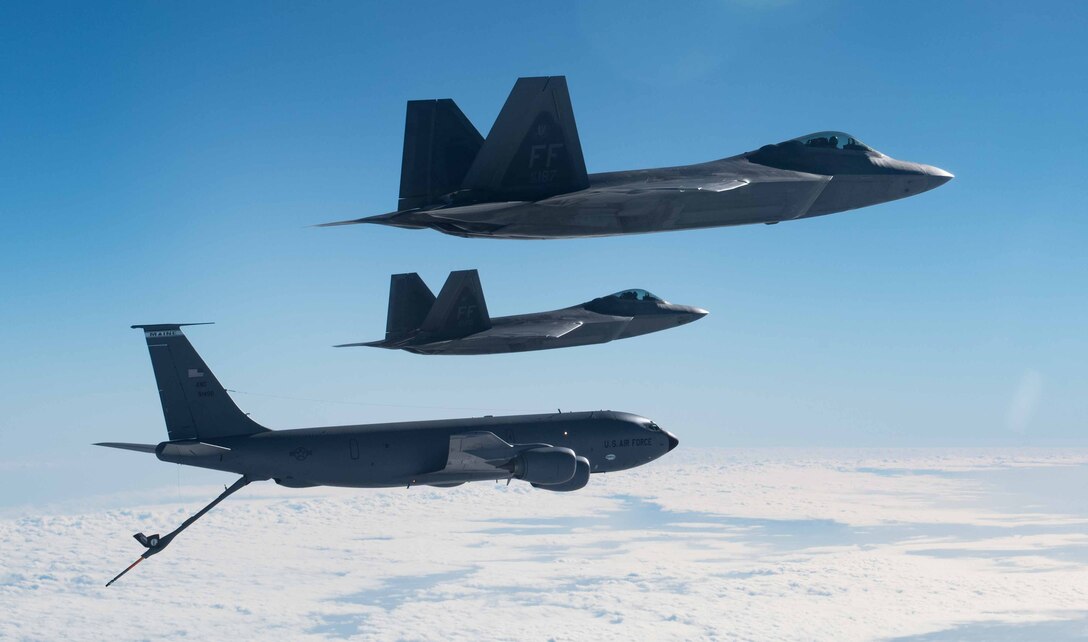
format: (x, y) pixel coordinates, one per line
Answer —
(354, 221)
(140, 448)
(364, 344)
(152, 327)
(192, 449)
(380, 219)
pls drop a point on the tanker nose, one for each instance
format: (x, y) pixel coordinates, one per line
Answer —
(673, 441)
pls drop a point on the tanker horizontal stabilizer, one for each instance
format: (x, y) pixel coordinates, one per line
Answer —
(140, 448)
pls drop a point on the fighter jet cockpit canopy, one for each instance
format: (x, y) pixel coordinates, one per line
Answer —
(827, 152)
(831, 140)
(635, 295)
(624, 302)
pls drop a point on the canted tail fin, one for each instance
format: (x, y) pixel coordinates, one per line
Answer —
(194, 403)
(440, 144)
(533, 150)
(410, 300)
(460, 309)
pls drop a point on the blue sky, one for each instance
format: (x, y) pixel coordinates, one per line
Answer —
(164, 161)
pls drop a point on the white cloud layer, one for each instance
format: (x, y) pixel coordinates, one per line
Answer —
(761, 545)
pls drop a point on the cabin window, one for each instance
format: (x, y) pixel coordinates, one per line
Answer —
(353, 447)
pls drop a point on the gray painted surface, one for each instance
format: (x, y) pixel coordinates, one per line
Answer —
(209, 431)
(555, 452)
(457, 321)
(528, 179)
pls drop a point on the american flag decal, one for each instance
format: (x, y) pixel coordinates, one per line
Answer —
(194, 373)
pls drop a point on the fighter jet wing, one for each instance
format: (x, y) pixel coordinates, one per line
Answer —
(795, 193)
(686, 185)
(417, 217)
(529, 329)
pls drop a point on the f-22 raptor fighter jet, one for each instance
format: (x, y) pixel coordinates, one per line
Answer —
(555, 452)
(528, 180)
(457, 322)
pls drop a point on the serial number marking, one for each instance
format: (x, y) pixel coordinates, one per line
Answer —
(625, 443)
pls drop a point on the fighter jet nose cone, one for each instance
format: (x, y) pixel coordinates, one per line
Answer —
(673, 441)
(937, 176)
(687, 313)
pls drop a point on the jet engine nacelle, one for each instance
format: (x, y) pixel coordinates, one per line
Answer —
(548, 465)
(579, 481)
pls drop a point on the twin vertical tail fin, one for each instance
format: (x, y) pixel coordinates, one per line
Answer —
(194, 403)
(533, 150)
(460, 309)
(416, 315)
(410, 300)
(531, 153)
(440, 144)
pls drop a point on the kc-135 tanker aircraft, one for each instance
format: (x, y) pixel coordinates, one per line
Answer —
(457, 322)
(528, 180)
(556, 452)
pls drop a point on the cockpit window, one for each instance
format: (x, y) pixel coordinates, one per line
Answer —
(652, 427)
(635, 295)
(832, 140)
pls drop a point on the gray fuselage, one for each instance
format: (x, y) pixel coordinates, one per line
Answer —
(598, 321)
(412, 453)
(787, 181)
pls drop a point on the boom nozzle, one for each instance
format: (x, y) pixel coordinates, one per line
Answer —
(156, 544)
